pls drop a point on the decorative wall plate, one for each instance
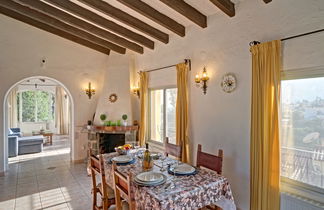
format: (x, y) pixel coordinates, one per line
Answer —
(113, 98)
(228, 83)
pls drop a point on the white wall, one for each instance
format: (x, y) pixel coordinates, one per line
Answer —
(218, 119)
(23, 47)
(221, 120)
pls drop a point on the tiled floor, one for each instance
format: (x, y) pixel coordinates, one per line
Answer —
(46, 180)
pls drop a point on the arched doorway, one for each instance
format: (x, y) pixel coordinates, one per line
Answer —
(6, 112)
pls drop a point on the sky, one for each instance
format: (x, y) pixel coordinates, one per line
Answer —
(293, 91)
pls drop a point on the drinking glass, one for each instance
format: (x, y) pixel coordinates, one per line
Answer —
(173, 168)
(162, 157)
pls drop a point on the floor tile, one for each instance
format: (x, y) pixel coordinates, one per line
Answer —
(31, 183)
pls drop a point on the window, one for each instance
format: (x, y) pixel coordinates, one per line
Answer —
(302, 130)
(35, 106)
(162, 119)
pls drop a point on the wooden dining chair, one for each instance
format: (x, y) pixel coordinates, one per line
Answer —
(172, 149)
(107, 193)
(212, 162)
(123, 196)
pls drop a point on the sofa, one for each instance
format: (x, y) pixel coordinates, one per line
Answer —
(13, 134)
(30, 144)
(20, 145)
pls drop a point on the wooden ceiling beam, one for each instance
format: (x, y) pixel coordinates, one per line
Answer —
(151, 13)
(127, 19)
(226, 6)
(63, 16)
(50, 29)
(103, 22)
(188, 11)
(54, 23)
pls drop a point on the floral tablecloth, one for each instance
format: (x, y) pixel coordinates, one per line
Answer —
(185, 192)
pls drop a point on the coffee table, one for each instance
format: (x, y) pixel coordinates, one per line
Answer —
(47, 134)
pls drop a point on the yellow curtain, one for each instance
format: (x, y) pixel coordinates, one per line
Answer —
(182, 116)
(264, 168)
(144, 106)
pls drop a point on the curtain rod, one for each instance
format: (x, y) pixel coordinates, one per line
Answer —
(187, 61)
(291, 37)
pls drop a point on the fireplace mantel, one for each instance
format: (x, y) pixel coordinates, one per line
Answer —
(114, 129)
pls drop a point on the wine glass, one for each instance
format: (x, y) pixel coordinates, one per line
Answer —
(173, 169)
(162, 157)
(136, 145)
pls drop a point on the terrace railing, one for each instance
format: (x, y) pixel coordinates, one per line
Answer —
(306, 166)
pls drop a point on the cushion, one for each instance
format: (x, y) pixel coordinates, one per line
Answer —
(30, 140)
(111, 192)
(125, 206)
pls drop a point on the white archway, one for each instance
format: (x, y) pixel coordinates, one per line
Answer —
(5, 117)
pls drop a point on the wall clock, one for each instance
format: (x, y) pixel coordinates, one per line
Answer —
(113, 98)
(228, 83)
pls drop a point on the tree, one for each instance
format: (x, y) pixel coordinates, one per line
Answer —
(37, 106)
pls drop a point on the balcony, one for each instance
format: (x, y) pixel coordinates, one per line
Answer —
(303, 165)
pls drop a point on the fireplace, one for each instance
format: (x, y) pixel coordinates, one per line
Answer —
(108, 141)
(104, 139)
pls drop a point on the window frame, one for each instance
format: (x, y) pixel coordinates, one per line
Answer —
(286, 184)
(164, 88)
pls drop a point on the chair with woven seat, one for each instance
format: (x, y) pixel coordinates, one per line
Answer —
(107, 193)
(212, 162)
(123, 195)
(172, 149)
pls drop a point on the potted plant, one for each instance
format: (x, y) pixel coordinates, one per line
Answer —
(107, 123)
(124, 117)
(103, 117)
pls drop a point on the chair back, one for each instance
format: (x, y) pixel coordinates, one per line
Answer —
(97, 168)
(210, 161)
(122, 186)
(172, 149)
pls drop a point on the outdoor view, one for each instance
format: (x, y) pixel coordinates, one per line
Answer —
(171, 102)
(35, 106)
(157, 115)
(302, 130)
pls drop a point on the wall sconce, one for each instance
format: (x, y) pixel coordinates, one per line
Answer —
(202, 81)
(90, 91)
(136, 91)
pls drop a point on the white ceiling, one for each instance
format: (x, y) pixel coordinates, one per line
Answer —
(44, 85)
(39, 81)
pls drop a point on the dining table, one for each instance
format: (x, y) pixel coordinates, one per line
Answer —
(195, 191)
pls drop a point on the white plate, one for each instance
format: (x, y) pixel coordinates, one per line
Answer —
(150, 176)
(149, 184)
(184, 169)
(122, 159)
(155, 155)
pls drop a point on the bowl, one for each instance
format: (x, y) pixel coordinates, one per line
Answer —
(121, 151)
